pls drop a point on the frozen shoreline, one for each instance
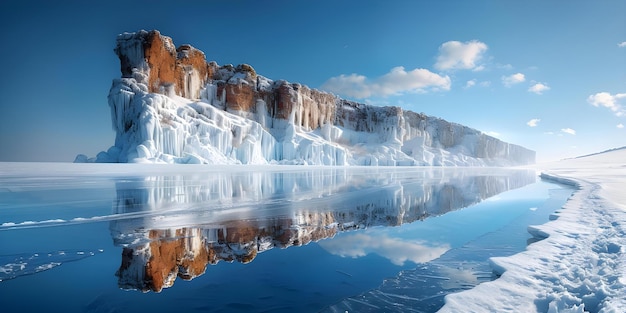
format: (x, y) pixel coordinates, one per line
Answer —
(580, 266)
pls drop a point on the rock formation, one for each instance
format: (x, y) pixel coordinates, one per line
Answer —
(173, 106)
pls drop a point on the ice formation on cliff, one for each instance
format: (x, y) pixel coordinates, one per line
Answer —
(171, 106)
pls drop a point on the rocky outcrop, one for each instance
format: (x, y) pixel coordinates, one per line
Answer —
(285, 123)
(164, 68)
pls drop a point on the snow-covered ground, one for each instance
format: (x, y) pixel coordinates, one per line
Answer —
(580, 266)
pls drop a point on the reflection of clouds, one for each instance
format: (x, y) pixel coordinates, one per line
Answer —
(458, 276)
(397, 250)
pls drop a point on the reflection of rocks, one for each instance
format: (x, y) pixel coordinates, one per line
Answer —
(165, 242)
(185, 252)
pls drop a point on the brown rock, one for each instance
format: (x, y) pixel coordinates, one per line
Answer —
(191, 65)
(161, 58)
(285, 98)
(182, 71)
(239, 97)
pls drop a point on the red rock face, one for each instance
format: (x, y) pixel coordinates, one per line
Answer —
(185, 71)
(285, 101)
(161, 60)
(239, 97)
(191, 64)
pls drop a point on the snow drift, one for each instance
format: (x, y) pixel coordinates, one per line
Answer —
(580, 266)
(172, 106)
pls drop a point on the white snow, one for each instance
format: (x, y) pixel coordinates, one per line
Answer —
(581, 265)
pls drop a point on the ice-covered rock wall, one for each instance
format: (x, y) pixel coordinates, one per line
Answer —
(172, 106)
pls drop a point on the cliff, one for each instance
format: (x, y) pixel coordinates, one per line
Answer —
(172, 106)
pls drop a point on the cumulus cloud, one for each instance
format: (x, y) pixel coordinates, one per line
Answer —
(397, 81)
(538, 88)
(620, 125)
(474, 82)
(609, 101)
(534, 122)
(479, 68)
(622, 44)
(568, 131)
(396, 250)
(460, 55)
(513, 79)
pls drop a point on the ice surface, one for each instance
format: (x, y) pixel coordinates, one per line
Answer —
(193, 205)
(465, 265)
(581, 265)
(238, 212)
(13, 266)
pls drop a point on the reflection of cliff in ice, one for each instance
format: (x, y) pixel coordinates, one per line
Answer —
(174, 226)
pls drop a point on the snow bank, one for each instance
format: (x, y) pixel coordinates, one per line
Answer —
(581, 265)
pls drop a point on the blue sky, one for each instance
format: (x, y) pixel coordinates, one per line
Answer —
(548, 75)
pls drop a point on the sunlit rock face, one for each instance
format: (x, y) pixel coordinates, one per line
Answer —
(153, 60)
(184, 224)
(172, 106)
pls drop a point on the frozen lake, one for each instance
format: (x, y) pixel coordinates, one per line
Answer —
(122, 238)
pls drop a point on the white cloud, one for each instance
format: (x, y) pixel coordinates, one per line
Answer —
(622, 44)
(607, 100)
(397, 81)
(474, 82)
(513, 79)
(549, 133)
(538, 88)
(620, 125)
(479, 68)
(396, 250)
(534, 122)
(493, 134)
(460, 55)
(568, 131)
